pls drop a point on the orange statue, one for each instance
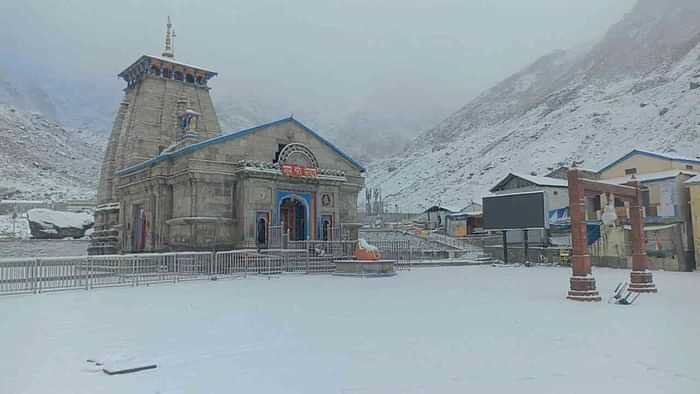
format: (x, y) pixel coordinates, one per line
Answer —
(365, 251)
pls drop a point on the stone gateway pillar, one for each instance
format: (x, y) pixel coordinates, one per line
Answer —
(641, 280)
(582, 283)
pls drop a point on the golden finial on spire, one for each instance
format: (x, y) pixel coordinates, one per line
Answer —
(168, 52)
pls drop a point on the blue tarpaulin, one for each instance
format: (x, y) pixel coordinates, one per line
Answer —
(559, 219)
(593, 231)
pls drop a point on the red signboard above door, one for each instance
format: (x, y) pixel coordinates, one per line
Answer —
(294, 170)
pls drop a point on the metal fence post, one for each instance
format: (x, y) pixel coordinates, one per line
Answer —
(86, 274)
(36, 273)
(33, 276)
(172, 266)
(212, 262)
(133, 272)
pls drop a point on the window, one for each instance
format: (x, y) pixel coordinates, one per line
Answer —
(597, 206)
(646, 201)
(279, 150)
(630, 171)
(619, 203)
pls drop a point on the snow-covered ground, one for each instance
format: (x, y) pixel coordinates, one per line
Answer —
(432, 330)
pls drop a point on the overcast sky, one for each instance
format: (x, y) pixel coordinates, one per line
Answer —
(324, 50)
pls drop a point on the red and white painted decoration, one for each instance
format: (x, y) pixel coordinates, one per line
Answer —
(294, 170)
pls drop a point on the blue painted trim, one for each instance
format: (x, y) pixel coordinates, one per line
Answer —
(650, 154)
(305, 199)
(318, 215)
(231, 136)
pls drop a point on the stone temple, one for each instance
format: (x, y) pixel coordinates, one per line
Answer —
(172, 180)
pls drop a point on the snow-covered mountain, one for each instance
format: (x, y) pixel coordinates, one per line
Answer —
(39, 159)
(637, 87)
(52, 137)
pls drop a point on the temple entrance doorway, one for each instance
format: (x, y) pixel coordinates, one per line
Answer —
(293, 218)
(139, 229)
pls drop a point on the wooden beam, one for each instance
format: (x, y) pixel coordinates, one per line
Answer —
(596, 188)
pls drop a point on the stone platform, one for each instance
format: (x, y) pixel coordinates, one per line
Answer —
(375, 268)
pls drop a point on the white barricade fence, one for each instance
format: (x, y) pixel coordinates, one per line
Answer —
(241, 263)
(35, 275)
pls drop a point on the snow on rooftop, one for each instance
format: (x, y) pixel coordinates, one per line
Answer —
(543, 180)
(50, 217)
(429, 330)
(670, 156)
(649, 177)
(693, 181)
(168, 60)
(171, 60)
(537, 180)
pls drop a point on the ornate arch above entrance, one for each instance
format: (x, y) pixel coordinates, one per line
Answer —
(298, 154)
(302, 228)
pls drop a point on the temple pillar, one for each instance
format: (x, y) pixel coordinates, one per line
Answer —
(641, 279)
(582, 286)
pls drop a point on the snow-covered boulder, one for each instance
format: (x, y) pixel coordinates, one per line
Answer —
(50, 224)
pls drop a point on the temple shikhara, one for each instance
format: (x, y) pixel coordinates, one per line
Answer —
(172, 180)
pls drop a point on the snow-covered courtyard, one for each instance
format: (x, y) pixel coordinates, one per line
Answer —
(431, 330)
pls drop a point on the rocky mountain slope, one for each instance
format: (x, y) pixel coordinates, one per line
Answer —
(39, 159)
(636, 88)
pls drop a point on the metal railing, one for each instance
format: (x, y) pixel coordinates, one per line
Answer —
(336, 249)
(246, 262)
(36, 275)
(303, 261)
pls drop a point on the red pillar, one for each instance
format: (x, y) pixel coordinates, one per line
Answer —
(582, 283)
(641, 280)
